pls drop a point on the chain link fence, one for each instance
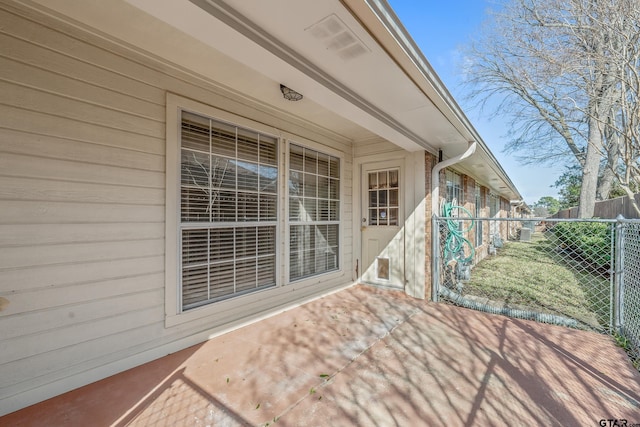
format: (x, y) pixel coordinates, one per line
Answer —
(627, 292)
(582, 274)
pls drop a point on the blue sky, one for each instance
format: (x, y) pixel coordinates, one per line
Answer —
(440, 28)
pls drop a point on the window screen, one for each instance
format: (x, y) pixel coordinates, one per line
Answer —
(478, 213)
(314, 212)
(228, 210)
(494, 207)
(454, 188)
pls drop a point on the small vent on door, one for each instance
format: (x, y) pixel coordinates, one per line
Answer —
(338, 38)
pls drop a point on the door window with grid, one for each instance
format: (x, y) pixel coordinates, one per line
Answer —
(314, 212)
(228, 210)
(383, 197)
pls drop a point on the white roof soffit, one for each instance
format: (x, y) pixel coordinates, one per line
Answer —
(261, 50)
(379, 17)
(389, 90)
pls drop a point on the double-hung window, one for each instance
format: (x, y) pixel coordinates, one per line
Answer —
(247, 210)
(454, 188)
(479, 209)
(494, 207)
(228, 210)
(314, 212)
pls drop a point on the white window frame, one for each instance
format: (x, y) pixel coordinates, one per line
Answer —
(494, 206)
(174, 315)
(328, 275)
(452, 176)
(389, 206)
(290, 223)
(196, 225)
(479, 237)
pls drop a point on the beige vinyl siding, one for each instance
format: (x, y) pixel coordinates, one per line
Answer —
(348, 264)
(82, 208)
(44, 234)
(374, 147)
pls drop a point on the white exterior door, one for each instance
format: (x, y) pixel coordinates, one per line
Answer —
(382, 225)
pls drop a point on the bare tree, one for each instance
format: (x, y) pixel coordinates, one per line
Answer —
(622, 125)
(550, 62)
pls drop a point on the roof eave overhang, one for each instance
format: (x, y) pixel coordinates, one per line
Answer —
(327, 90)
(386, 28)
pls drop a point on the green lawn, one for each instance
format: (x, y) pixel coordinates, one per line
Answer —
(539, 276)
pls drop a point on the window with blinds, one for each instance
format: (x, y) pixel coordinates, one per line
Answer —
(479, 210)
(454, 187)
(494, 206)
(228, 210)
(314, 212)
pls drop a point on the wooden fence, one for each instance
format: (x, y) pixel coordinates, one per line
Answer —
(606, 209)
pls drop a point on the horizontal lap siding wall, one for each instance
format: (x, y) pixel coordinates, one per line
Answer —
(375, 147)
(82, 206)
(82, 196)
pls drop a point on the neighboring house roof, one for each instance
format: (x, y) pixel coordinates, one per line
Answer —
(361, 74)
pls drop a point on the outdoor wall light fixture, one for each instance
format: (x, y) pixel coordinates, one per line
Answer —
(290, 94)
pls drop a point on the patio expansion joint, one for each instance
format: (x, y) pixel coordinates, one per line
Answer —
(328, 380)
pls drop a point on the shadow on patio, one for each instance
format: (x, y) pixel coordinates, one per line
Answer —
(367, 357)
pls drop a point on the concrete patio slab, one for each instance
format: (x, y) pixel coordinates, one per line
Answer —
(366, 357)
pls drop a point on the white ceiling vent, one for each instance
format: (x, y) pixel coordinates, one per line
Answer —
(337, 37)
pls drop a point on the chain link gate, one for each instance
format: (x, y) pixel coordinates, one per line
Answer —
(627, 292)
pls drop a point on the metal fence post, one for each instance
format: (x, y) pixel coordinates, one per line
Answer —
(435, 259)
(618, 290)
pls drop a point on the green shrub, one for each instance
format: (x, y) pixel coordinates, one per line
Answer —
(591, 240)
